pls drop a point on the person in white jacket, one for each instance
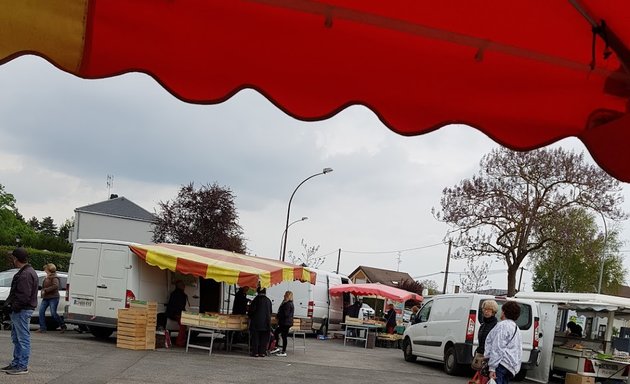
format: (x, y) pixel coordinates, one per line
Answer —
(504, 346)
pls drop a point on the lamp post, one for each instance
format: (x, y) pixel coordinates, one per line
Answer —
(601, 267)
(286, 227)
(285, 232)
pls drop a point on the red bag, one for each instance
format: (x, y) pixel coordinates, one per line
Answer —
(478, 379)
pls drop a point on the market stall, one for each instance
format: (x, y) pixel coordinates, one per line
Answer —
(597, 350)
(222, 267)
(359, 329)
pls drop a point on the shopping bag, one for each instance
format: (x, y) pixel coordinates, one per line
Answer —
(477, 362)
(478, 379)
(491, 381)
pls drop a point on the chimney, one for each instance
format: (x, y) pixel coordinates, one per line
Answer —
(113, 196)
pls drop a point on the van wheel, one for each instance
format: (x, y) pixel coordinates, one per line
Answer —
(101, 332)
(520, 376)
(451, 366)
(408, 351)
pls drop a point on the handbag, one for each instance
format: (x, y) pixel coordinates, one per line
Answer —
(477, 362)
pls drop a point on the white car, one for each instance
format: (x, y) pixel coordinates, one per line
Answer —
(365, 311)
(5, 286)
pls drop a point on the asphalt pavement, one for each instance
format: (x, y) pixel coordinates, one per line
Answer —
(71, 358)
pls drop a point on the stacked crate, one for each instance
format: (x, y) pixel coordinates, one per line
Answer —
(136, 326)
(190, 318)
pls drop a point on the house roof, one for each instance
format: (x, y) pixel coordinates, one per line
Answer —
(383, 276)
(118, 207)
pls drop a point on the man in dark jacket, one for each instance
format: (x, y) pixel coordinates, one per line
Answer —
(260, 323)
(23, 300)
(240, 301)
(174, 308)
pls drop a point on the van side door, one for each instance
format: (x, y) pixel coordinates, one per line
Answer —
(419, 331)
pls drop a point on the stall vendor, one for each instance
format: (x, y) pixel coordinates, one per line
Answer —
(176, 305)
(573, 329)
(390, 319)
(240, 301)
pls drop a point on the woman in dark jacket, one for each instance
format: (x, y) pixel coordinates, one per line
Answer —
(489, 320)
(260, 323)
(285, 321)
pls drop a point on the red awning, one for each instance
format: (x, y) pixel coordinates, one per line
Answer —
(525, 72)
(222, 266)
(376, 289)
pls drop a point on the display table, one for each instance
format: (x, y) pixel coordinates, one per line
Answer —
(214, 332)
(359, 329)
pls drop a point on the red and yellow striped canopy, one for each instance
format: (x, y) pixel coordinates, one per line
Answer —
(525, 72)
(222, 266)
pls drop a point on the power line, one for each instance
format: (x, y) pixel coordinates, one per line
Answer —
(394, 251)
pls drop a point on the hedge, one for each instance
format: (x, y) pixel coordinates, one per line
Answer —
(37, 258)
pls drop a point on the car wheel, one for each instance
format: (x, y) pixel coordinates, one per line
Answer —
(408, 351)
(520, 376)
(101, 332)
(451, 366)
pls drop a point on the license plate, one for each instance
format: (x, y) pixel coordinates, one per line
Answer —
(83, 302)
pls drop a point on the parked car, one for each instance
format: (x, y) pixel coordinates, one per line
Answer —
(5, 286)
(366, 311)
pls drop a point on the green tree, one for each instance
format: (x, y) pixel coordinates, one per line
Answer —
(206, 218)
(499, 211)
(431, 286)
(64, 230)
(308, 256)
(571, 262)
(33, 222)
(48, 227)
(12, 224)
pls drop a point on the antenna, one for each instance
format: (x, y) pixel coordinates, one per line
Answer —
(110, 184)
(398, 261)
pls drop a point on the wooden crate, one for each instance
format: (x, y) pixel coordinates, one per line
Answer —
(190, 318)
(211, 321)
(306, 324)
(237, 322)
(136, 329)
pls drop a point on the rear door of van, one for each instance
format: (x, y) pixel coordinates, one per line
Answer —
(82, 276)
(111, 281)
(527, 323)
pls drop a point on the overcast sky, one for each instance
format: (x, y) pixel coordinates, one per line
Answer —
(60, 136)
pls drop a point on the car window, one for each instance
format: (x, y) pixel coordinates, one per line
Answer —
(6, 277)
(524, 321)
(424, 313)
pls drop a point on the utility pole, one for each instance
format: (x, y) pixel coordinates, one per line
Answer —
(448, 260)
(338, 260)
(520, 279)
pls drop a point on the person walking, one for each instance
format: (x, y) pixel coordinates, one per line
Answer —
(23, 300)
(260, 323)
(503, 347)
(50, 298)
(285, 321)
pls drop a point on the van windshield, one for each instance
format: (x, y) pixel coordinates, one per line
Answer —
(524, 321)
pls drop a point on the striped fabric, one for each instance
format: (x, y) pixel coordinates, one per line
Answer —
(222, 266)
(376, 289)
(526, 73)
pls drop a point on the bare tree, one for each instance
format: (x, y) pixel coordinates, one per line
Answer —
(476, 275)
(307, 257)
(499, 211)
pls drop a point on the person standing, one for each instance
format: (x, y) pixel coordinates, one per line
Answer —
(23, 300)
(503, 347)
(240, 301)
(50, 298)
(174, 308)
(285, 321)
(390, 319)
(260, 323)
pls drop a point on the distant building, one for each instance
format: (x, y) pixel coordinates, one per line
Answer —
(113, 219)
(365, 274)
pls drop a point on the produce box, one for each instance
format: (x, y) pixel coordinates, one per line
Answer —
(573, 378)
(190, 318)
(237, 322)
(353, 320)
(306, 324)
(135, 329)
(206, 320)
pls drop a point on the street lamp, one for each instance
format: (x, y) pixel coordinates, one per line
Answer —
(286, 227)
(285, 232)
(601, 267)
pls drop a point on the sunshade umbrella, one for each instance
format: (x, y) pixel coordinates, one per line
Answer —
(222, 266)
(525, 72)
(376, 289)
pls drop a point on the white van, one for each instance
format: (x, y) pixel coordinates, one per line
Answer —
(104, 275)
(314, 301)
(448, 327)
